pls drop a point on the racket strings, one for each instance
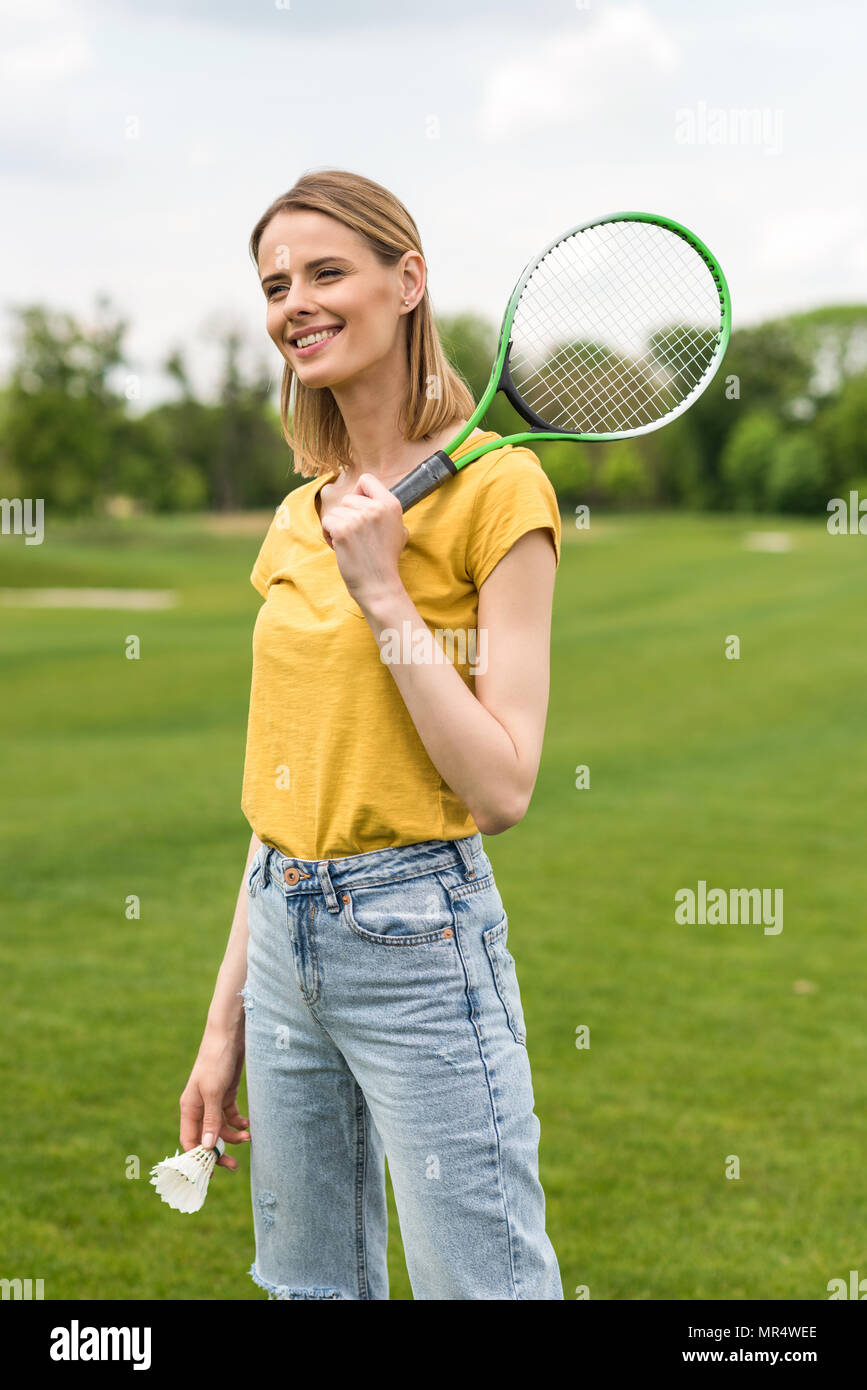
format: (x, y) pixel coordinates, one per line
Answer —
(570, 372)
(633, 388)
(624, 387)
(615, 329)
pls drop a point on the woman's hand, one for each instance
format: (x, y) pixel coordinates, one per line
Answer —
(366, 532)
(209, 1108)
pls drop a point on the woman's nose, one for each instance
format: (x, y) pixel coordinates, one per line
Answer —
(295, 302)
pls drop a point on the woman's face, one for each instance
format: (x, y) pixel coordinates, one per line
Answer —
(319, 276)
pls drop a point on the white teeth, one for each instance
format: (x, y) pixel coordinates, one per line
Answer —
(316, 337)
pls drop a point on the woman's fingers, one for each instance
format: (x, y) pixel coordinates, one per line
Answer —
(233, 1116)
(191, 1123)
(235, 1130)
(203, 1119)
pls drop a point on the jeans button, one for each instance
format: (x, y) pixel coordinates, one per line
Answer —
(291, 875)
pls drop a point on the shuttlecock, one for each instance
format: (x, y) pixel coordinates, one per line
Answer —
(182, 1181)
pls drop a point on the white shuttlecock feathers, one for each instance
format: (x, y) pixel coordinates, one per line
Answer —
(182, 1181)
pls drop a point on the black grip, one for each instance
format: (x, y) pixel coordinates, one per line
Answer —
(424, 480)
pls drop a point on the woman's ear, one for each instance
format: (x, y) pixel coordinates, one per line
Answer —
(412, 277)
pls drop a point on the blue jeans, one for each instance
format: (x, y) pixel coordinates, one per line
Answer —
(383, 1018)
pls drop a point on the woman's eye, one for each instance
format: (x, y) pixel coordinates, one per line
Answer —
(326, 270)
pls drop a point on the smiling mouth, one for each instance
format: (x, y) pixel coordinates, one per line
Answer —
(312, 340)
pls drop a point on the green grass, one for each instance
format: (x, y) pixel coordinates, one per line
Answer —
(124, 776)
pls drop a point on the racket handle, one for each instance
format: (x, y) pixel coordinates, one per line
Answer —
(424, 480)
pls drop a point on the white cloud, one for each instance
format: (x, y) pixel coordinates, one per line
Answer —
(46, 61)
(798, 239)
(234, 108)
(40, 43)
(202, 156)
(606, 58)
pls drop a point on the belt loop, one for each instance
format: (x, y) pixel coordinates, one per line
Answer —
(466, 853)
(327, 886)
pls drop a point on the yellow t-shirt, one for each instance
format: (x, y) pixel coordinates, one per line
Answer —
(334, 764)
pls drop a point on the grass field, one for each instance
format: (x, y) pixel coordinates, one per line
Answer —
(706, 1041)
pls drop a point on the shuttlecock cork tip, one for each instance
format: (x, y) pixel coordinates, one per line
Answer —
(182, 1181)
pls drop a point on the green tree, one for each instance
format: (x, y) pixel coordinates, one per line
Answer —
(569, 468)
(624, 477)
(470, 342)
(235, 443)
(746, 459)
(842, 428)
(796, 480)
(675, 460)
(64, 406)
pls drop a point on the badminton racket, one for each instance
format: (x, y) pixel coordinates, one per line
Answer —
(612, 331)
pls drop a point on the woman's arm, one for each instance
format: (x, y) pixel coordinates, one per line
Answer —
(226, 1014)
(209, 1104)
(485, 745)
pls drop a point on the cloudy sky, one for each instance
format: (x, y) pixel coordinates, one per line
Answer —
(140, 141)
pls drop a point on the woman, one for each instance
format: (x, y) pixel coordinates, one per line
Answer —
(367, 978)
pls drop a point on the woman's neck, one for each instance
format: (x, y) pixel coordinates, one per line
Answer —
(370, 412)
(371, 409)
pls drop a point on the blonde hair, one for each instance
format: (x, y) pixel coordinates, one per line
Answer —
(318, 437)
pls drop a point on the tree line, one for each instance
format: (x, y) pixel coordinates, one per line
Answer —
(782, 427)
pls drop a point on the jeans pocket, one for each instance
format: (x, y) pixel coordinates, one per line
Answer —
(403, 912)
(506, 977)
(254, 874)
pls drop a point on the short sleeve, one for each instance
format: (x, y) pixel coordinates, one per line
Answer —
(515, 495)
(263, 569)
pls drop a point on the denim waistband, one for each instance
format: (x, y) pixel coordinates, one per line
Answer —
(376, 866)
